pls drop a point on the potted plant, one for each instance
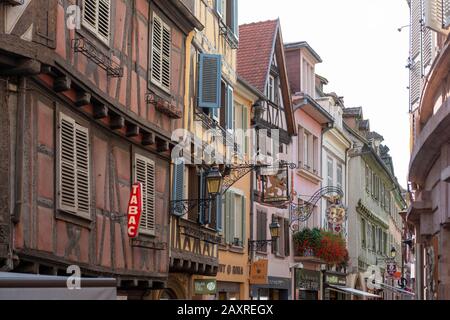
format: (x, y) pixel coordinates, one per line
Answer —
(307, 241)
(332, 248)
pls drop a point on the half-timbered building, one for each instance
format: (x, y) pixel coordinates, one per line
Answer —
(90, 91)
(261, 62)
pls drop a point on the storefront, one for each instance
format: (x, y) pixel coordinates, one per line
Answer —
(228, 291)
(307, 284)
(335, 279)
(276, 289)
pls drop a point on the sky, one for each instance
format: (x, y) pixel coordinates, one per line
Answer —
(364, 57)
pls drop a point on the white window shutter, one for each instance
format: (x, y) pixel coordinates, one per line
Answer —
(74, 167)
(97, 18)
(434, 16)
(416, 28)
(145, 174)
(161, 53)
(82, 169)
(68, 183)
(446, 14)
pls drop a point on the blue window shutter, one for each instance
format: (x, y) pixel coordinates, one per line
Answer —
(201, 211)
(210, 77)
(235, 23)
(230, 108)
(219, 213)
(178, 184)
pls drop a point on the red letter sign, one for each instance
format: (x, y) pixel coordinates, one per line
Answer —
(134, 210)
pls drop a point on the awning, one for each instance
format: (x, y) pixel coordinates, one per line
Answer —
(354, 292)
(397, 290)
(18, 286)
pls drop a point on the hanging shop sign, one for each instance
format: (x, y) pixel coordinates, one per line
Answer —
(205, 287)
(391, 268)
(307, 279)
(335, 279)
(276, 184)
(259, 271)
(134, 210)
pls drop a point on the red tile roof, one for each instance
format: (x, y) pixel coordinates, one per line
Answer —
(256, 41)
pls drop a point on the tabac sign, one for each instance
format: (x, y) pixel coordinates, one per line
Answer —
(135, 210)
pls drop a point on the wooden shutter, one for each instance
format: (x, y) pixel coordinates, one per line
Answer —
(45, 23)
(178, 183)
(245, 128)
(74, 167)
(244, 222)
(446, 11)
(82, 169)
(219, 213)
(210, 75)
(287, 238)
(261, 228)
(235, 18)
(433, 13)
(145, 174)
(201, 208)
(68, 197)
(161, 53)
(230, 109)
(232, 222)
(96, 17)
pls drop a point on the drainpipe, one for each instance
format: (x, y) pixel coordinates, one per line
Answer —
(419, 272)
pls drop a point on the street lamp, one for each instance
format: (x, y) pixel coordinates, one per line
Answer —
(214, 182)
(393, 253)
(275, 229)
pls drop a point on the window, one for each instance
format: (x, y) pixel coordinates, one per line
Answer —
(144, 172)
(219, 5)
(374, 239)
(96, 18)
(369, 236)
(271, 89)
(241, 125)
(339, 175)
(306, 150)
(385, 250)
(161, 52)
(363, 233)
(74, 153)
(232, 17)
(235, 208)
(380, 241)
(330, 165)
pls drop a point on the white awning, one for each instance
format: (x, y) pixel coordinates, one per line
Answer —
(355, 292)
(397, 290)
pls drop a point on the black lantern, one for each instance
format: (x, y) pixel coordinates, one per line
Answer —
(275, 229)
(214, 182)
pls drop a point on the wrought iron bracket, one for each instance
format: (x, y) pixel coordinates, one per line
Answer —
(302, 213)
(259, 245)
(180, 208)
(84, 46)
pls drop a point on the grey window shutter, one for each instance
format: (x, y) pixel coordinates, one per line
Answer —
(145, 174)
(68, 181)
(287, 239)
(232, 217)
(201, 207)
(82, 169)
(244, 222)
(230, 108)
(219, 213)
(210, 77)
(178, 184)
